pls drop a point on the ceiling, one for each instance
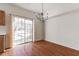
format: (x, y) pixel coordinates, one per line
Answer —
(53, 9)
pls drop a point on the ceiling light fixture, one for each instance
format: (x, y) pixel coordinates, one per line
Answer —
(41, 16)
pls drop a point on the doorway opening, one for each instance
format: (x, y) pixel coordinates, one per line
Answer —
(22, 29)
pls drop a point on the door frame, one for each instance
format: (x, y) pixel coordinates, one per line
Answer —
(24, 18)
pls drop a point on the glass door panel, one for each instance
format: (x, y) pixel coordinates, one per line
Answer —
(28, 30)
(22, 30)
(18, 31)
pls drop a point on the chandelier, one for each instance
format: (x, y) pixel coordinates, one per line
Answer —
(41, 16)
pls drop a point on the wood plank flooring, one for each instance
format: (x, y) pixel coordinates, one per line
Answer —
(40, 48)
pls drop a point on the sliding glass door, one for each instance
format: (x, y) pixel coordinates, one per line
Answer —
(22, 30)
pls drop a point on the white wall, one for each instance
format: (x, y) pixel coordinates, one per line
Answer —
(64, 30)
(11, 9)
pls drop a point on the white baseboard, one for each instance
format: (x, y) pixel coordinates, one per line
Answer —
(63, 45)
(38, 40)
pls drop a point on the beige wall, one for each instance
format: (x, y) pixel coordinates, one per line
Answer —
(11, 9)
(39, 30)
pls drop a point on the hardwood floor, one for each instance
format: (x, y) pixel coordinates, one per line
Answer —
(40, 48)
